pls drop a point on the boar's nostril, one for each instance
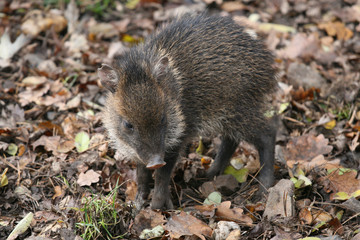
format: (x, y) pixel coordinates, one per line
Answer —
(155, 162)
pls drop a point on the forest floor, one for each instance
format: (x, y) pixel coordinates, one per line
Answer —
(60, 179)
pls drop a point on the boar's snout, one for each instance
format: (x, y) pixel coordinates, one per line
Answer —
(156, 162)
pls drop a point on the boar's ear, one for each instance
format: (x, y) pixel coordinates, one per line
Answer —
(161, 66)
(109, 77)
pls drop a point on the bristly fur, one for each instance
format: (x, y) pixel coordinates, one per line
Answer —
(224, 76)
(199, 75)
(216, 81)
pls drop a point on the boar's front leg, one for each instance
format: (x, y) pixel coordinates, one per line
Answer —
(162, 198)
(265, 144)
(222, 159)
(143, 176)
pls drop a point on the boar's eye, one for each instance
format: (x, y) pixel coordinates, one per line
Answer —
(128, 125)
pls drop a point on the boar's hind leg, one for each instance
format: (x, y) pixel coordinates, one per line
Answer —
(265, 144)
(227, 149)
(162, 197)
(143, 179)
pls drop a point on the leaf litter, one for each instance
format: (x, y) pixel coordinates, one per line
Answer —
(54, 152)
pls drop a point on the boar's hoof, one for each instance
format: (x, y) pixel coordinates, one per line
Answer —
(212, 172)
(156, 162)
(163, 203)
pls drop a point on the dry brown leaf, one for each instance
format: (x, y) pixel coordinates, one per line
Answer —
(51, 127)
(306, 147)
(327, 41)
(312, 216)
(103, 30)
(45, 216)
(49, 143)
(255, 207)
(58, 192)
(186, 225)
(68, 125)
(235, 214)
(26, 159)
(336, 225)
(66, 146)
(349, 14)
(337, 29)
(232, 6)
(57, 99)
(344, 182)
(318, 161)
(76, 44)
(147, 219)
(74, 102)
(37, 22)
(131, 190)
(307, 151)
(22, 150)
(320, 215)
(99, 142)
(116, 178)
(86, 179)
(301, 94)
(71, 125)
(305, 216)
(206, 210)
(300, 45)
(33, 94)
(234, 235)
(96, 139)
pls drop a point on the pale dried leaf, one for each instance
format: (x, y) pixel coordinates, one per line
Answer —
(72, 15)
(86, 179)
(21, 227)
(234, 214)
(49, 143)
(300, 45)
(37, 22)
(186, 225)
(76, 44)
(33, 95)
(33, 81)
(66, 146)
(8, 49)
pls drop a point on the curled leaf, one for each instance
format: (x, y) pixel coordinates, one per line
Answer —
(82, 141)
(3, 178)
(12, 149)
(213, 198)
(21, 227)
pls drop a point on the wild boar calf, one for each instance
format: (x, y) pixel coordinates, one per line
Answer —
(199, 75)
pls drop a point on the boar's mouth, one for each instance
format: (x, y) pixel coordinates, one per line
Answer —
(155, 162)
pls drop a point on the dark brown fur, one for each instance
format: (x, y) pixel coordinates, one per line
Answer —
(197, 76)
